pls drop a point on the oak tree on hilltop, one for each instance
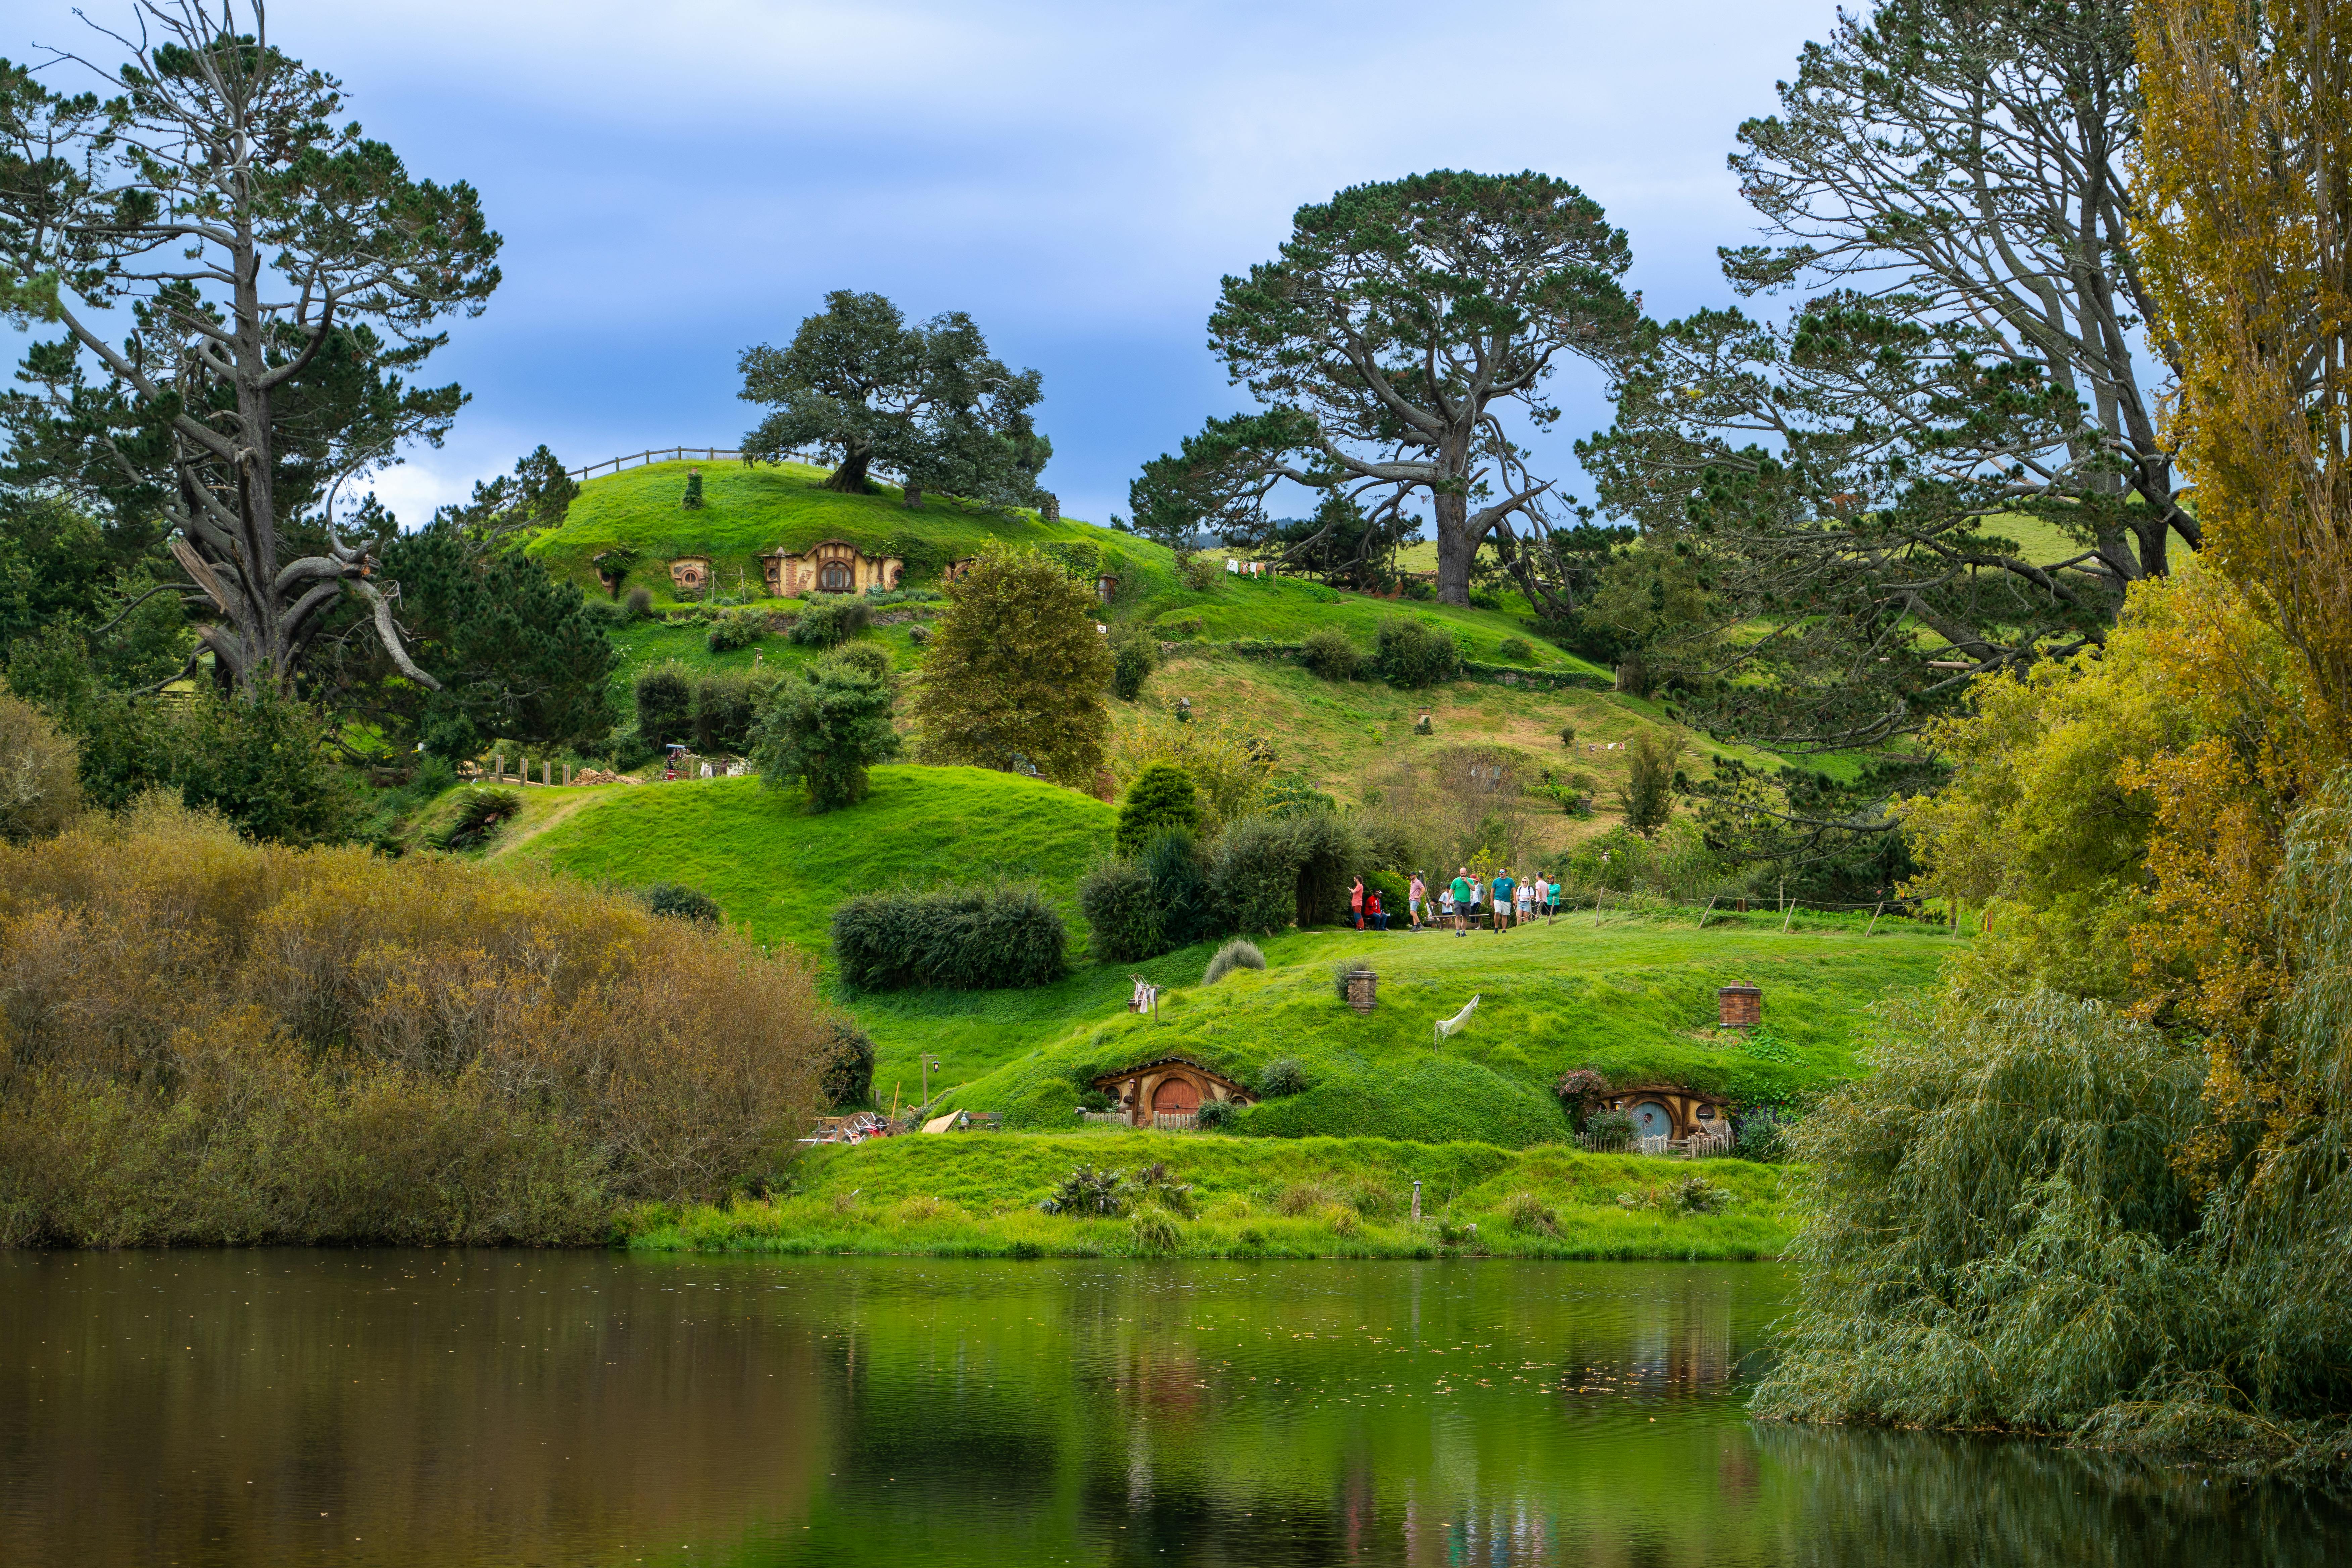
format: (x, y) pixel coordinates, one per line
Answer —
(927, 401)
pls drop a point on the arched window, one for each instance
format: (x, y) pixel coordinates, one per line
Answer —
(834, 577)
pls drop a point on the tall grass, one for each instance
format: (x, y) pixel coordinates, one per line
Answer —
(204, 1039)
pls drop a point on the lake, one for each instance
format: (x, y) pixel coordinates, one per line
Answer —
(592, 1408)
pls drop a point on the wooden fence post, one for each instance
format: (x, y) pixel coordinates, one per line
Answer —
(1709, 911)
(1873, 917)
(1787, 917)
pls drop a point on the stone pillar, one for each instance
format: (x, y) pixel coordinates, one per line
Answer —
(498, 766)
(1363, 989)
(1049, 508)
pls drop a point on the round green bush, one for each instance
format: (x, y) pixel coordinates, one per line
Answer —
(1330, 655)
(739, 629)
(1161, 800)
(681, 902)
(1132, 660)
(1514, 649)
(1122, 915)
(1413, 654)
(829, 622)
(1281, 1078)
(848, 1076)
(1238, 954)
(1217, 1114)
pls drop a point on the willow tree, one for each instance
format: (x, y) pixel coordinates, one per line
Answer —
(241, 283)
(1399, 327)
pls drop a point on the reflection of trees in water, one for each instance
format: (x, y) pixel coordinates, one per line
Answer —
(1850, 1497)
(256, 1408)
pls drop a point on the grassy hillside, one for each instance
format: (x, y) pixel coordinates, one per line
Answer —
(1633, 998)
(748, 510)
(780, 871)
(976, 1195)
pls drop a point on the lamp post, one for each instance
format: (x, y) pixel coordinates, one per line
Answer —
(931, 1065)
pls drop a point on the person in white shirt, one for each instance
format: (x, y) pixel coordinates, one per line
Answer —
(1525, 898)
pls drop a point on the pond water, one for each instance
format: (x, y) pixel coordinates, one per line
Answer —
(477, 1408)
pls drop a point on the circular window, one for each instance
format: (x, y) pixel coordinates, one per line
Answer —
(834, 577)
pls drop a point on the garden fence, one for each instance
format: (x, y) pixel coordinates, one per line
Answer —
(1699, 1146)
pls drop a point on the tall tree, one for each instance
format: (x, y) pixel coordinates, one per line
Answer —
(928, 402)
(1947, 178)
(277, 273)
(1017, 668)
(1399, 326)
(2247, 236)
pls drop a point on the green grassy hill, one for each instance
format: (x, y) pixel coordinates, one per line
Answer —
(780, 871)
(976, 1195)
(748, 510)
(1633, 998)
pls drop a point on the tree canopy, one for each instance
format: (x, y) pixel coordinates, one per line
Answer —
(1400, 323)
(927, 401)
(1017, 671)
(280, 275)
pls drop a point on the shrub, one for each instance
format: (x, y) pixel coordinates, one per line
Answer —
(1161, 800)
(825, 727)
(1515, 650)
(1332, 655)
(848, 1076)
(725, 707)
(432, 1053)
(868, 659)
(1567, 735)
(1091, 1190)
(1305, 1197)
(1123, 917)
(475, 816)
(692, 500)
(737, 629)
(1342, 970)
(1238, 954)
(1697, 1194)
(681, 902)
(1199, 573)
(1254, 876)
(1153, 1230)
(1375, 1202)
(1607, 1128)
(1419, 591)
(1133, 657)
(1181, 885)
(665, 697)
(1154, 1185)
(828, 622)
(41, 779)
(640, 602)
(958, 939)
(1217, 1114)
(1578, 1089)
(1282, 1077)
(1017, 669)
(262, 761)
(1647, 797)
(918, 636)
(1414, 654)
(1530, 1213)
(1756, 1134)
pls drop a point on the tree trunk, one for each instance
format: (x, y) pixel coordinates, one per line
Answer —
(850, 478)
(1455, 547)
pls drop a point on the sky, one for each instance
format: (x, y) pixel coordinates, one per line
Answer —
(677, 181)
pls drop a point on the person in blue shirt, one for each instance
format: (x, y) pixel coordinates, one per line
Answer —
(1504, 888)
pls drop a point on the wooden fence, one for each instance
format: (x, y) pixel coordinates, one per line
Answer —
(1702, 1146)
(657, 454)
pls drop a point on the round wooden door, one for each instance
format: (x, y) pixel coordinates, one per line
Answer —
(1651, 1120)
(1175, 1097)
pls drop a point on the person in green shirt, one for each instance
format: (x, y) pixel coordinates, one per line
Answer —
(1463, 888)
(1504, 888)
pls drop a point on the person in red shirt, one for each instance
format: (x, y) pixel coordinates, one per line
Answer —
(1372, 908)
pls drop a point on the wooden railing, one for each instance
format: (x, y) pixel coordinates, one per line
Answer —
(657, 454)
(1698, 1146)
(1176, 1120)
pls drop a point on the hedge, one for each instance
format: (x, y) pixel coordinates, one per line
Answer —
(958, 938)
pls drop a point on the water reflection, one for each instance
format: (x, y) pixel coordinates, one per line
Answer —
(401, 1407)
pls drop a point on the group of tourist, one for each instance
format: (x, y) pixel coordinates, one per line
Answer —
(1505, 901)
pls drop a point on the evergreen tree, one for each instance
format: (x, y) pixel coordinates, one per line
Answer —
(825, 729)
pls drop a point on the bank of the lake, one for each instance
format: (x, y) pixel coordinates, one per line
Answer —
(977, 1195)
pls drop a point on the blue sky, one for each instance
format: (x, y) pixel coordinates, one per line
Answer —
(675, 182)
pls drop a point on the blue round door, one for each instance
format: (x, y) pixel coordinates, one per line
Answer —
(1651, 1120)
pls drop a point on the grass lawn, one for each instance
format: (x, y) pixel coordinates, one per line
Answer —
(780, 871)
(750, 510)
(1632, 997)
(975, 1194)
